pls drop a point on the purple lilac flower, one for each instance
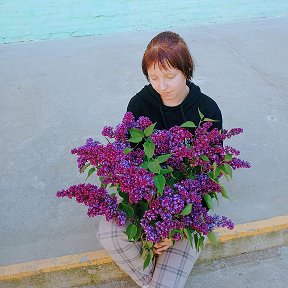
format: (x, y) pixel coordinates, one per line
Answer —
(143, 122)
(231, 150)
(237, 163)
(138, 183)
(108, 132)
(150, 231)
(121, 130)
(161, 139)
(85, 152)
(232, 132)
(164, 208)
(168, 191)
(192, 190)
(98, 200)
(122, 170)
(179, 135)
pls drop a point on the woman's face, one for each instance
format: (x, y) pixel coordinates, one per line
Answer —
(170, 83)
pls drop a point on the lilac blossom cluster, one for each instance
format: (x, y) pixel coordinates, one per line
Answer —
(99, 202)
(194, 155)
(163, 217)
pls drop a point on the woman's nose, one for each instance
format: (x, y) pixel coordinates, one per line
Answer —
(162, 85)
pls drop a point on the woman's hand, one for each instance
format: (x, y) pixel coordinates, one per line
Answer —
(162, 246)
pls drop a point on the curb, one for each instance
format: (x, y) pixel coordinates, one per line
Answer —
(247, 238)
(244, 238)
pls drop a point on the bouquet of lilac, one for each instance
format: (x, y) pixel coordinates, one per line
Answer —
(163, 180)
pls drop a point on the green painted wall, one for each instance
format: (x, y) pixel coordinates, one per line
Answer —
(48, 19)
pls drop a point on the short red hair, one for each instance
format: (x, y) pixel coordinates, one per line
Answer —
(168, 48)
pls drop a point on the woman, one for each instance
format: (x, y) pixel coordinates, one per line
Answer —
(170, 99)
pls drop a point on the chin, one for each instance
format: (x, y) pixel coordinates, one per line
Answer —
(167, 95)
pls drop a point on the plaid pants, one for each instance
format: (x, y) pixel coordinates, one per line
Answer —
(170, 270)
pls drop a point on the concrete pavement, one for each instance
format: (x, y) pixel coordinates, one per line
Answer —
(54, 94)
(265, 269)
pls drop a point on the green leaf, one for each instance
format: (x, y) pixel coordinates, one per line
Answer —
(177, 175)
(131, 231)
(144, 253)
(214, 195)
(212, 237)
(228, 169)
(144, 165)
(188, 124)
(138, 234)
(200, 114)
(149, 148)
(144, 206)
(128, 209)
(223, 172)
(135, 139)
(171, 233)
(192, 176)
(148, 259)
(214, 169)
(127, 150)
(211, 175)
(170, 182)
(84, 167)
(91, 170)
(205, 158)
(149, 244)
(154, 166)
(163, 158)
(123, 194)
(208, 201)
(216, 180)
(148, 131)
(210, 120)
(189, 236)
(159, 182)
(217, 172)
(201, 242)
(224, 192)
(196, 241)
(187, 210)
(228, 157)
(103, 185)
(136, 133)
(169, 169)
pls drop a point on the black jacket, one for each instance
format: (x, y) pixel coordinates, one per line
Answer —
(148, 103)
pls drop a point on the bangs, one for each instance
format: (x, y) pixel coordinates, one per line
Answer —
(162, 58)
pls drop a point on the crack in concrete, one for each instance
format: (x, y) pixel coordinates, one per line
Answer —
(243, 59)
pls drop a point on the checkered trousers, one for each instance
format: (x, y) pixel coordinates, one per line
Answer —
(170, 270)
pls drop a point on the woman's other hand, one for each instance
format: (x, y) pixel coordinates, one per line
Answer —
(162, 246)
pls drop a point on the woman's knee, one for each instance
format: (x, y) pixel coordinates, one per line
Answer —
(111, 236)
